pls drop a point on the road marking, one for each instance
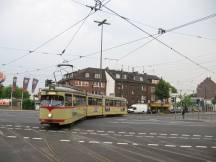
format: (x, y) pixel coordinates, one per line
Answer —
(149, 136)
(94, 142)
(26, 137)
(11, 136)
(61, 132)
(81, 141)
(141, 133)
(36, 138)
(128, 135)
(10, 128)
(121, 132)
(73, 132)
(135, 144)
(42, 130)
(35, 127)
(139, 136)
(17, 126)
(83, 133)
(213, 147)
(209, 136)
(100, 131)
(170, 145)
(28, 129)
(110, 131)
(76, 129)
(132, 133)
(185, 146)
(9, 125)
(64, 140)
(107, 142)
(196, 135)
(153, 144)
(90, 130)
(122, 143)
(174, 134)
(53, 131)
(201, 147)
(153, 133)
(185, 135)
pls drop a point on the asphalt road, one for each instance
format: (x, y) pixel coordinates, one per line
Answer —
(135, 137)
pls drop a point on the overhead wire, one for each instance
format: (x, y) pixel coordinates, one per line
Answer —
(168, 46)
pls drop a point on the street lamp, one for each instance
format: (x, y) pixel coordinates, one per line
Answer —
(101, 23)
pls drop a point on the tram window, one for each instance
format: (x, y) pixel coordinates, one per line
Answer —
(79, 100)
(99, 101)
(94, 101)
(112, 103)
(118, 103)
(68, 100)
(107, 102)
(52, 100)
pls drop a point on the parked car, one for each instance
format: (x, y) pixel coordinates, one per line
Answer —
(177, 110)
(138, 108)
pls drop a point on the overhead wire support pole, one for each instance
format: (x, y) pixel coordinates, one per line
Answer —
(101, 23)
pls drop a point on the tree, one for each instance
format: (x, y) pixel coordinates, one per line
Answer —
(173, 89)
(5, 92)
(186, 101)
(162, 90)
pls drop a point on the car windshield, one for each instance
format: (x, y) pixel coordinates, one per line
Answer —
(52, 100)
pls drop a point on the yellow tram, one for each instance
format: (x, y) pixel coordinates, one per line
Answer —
(63, 105)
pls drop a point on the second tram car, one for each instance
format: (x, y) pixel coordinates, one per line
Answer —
(64, 105)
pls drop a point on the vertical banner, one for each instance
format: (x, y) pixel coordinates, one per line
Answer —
(25, 84)
(34, 84)
(14, 84)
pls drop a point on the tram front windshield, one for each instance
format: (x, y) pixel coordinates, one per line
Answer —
(52, 100)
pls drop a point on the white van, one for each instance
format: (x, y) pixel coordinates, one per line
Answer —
(138, 108)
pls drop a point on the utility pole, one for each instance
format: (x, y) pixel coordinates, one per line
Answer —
(101, 23)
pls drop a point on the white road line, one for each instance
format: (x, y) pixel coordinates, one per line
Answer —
(201, 146)
(74, 132)
(132, 133)
(42, 130)
(61, 132)
(135, 144)
(11, 136)
(185, 146)
(53, 131)
(213, 147)
(81, 141)
(94, 142)
(28, 129)
(174, 134)
(209, 136)
(9, 125)
(128, 135)
(121, 132)
(196, 135)
(36, 138)
(141, 133)
(170, 145)
(10, 128)
(153, 144)
(35, 127)
(110, 131)
(76, 129)
(163, 134)
(185, 135)
(83, 133)
(153, 133)
(17, 128)
(26, 137)
(64, 140)
(107, 142)
(122, 143)
(100, 131)
(90, 130)
(149, 136)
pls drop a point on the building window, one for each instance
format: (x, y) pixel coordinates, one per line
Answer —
(96, 84)
(84, 83)
(155, 81)
(152, 89)
(117, 76)
(87, 75)
(152, 97)
(97, 76)
(141, 78)
(124, 76)
(132, 92)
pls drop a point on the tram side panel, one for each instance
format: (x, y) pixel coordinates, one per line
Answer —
(94, 106)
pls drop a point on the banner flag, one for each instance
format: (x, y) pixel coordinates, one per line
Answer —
(14, 84)
(25, 84)
(34, 84)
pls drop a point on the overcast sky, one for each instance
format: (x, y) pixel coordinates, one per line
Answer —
(26, 24)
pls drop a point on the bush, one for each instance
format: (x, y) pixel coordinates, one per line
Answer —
(28, 104)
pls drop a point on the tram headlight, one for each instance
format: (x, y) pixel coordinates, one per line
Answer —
(49, 115)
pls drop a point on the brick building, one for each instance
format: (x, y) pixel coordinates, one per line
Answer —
(206, 89)
(133, 86)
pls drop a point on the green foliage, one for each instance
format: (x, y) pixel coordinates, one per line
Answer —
(186, 101)
(162, 90)
(28, 104)
(214, 100)
(173, 89)
(5, 92)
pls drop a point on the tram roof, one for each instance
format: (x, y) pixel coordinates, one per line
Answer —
(62, 89)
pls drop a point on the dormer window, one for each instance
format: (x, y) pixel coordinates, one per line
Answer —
(97, 76)
(86, 75)
(117, 76)
(124, 76)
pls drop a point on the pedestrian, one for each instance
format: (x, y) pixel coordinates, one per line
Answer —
(183, 113)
